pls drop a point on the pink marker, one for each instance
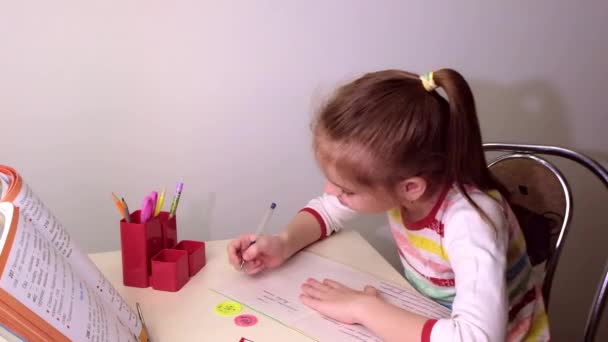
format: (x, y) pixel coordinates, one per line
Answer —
(154, 196)
(147, 209)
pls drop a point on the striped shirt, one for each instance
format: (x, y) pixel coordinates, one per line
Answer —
(479, 270)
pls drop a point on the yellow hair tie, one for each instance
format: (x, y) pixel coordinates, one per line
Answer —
(428, 82)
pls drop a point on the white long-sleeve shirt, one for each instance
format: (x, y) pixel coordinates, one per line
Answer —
(479, 270)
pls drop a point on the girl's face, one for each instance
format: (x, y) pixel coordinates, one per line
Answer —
(353, 195)
(357, 197)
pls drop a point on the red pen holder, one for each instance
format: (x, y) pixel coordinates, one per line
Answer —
(151, 255)
(169, 229)
(170, 270)
(139, 242)
(196, 254)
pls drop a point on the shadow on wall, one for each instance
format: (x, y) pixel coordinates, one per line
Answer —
(533, 112)
(199, 208)
(526, 112)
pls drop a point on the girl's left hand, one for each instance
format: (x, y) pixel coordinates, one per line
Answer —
(337, 301)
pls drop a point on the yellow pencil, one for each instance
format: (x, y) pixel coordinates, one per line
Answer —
(159, 203)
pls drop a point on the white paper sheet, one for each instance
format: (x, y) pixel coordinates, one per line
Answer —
(276, 294)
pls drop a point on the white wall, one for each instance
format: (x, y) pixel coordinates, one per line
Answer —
(130, 96)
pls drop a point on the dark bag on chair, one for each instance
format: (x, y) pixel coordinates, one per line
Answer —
(537, 230)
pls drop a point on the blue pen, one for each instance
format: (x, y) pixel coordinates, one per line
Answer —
(261, 228)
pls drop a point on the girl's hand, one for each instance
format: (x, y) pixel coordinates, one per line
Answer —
(337, 301)
(268, 251)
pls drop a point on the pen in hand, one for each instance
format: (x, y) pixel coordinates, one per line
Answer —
(260, 229)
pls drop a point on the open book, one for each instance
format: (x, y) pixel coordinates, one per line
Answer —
(49, 289)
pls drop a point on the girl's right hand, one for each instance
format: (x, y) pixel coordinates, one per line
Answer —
(268, 251)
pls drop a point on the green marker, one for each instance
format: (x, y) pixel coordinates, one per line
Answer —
(175, 200)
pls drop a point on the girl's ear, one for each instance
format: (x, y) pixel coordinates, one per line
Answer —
(411, 189)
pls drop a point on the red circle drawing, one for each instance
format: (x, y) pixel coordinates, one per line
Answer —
(245, 320)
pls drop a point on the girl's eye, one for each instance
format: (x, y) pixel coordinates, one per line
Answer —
(348, 193)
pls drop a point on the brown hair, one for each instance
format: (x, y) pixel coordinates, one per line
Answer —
(385, 127)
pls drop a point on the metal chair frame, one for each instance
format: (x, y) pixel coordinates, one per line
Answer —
(554, 258)
(532, 151)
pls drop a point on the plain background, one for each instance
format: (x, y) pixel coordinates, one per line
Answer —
(131, 96)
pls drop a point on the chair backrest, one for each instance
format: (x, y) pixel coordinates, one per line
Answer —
(538, 186)
(541, 200)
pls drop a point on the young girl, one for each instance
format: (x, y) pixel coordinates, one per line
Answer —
(390, 142)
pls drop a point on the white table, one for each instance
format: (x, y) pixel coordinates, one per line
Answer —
(189, 314)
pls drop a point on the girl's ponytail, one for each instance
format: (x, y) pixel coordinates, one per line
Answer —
(465, 158)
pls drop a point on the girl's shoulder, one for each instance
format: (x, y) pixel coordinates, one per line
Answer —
(492, 203)
(455, 197)
(488, 222)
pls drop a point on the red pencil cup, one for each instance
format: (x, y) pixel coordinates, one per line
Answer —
(169, 228)
(138, 243)
(196, 255)
(169, 270)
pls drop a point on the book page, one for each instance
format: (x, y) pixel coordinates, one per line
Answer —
(276, 294)
(42, 280)
(38, 215)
